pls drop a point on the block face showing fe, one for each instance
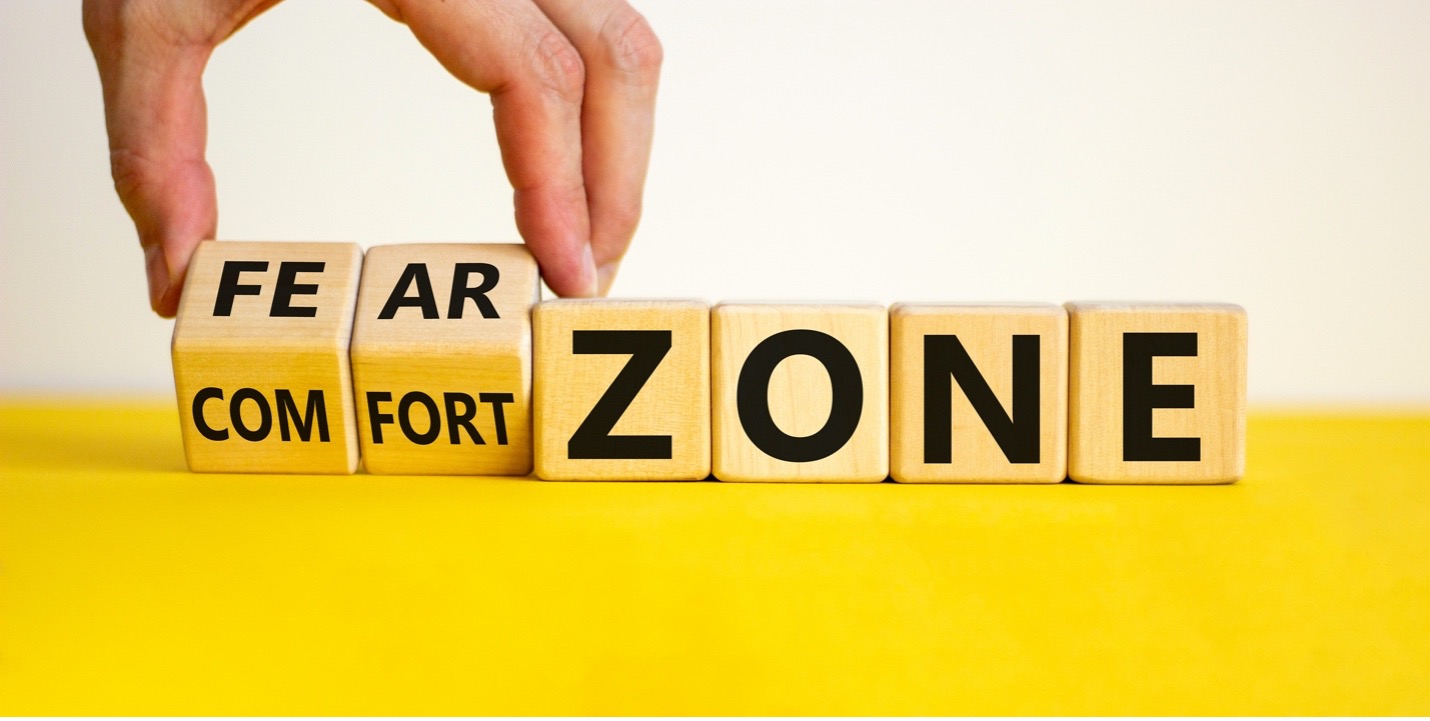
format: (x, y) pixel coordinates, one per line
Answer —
(1157, 393)
(800, 393)
(622, 390)
(260, 355)
(442, 358)
(978, 393)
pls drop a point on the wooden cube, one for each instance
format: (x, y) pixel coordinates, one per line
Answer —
(978, 393)
(1157, 393)
(260, 355)
(800, 393)
(622, 390)
(442, 358)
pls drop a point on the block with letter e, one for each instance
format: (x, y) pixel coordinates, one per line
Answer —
(1157, 392)
(441, 356)
(800, 392)
(622, 390)
(260, 355)
(978, 393)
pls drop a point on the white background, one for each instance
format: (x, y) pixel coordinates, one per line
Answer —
(1273, 154)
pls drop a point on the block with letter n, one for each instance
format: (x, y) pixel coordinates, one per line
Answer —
(978, 393)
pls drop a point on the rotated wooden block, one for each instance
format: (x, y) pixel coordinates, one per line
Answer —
(979, 393)
(800, 392)
(442, 358)
(622, 390)
(260, 355)
(1157, 393)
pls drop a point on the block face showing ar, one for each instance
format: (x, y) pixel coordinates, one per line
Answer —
(1157, 393)
(978, 393)
(622, 390)
(441, 358)
(260, 353)
(800, 393)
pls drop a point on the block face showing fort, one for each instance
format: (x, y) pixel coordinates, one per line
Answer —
(622, 390)
(800, 392)
(1157, 393)
(260, 352)
(978, 393)
(441, 354)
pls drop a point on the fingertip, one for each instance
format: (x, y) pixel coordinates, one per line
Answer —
(156, 268)
(566, 272)
(585, 279)
(169, 303)
(606, 276)
(167, 306)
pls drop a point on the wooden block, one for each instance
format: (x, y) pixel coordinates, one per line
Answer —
(1157, 393)
(442, 358)
(261, 357)
(979, 393)
(622, 390)
(800, 393)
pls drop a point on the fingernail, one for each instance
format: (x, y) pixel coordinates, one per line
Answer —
(589, 273)
(606, 275)
(157, 268)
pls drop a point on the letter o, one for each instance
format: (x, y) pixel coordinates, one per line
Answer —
(753, 391)
(265, 414)
(404, 418)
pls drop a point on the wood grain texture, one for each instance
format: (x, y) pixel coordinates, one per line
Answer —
(800, 393)
(673, 401)
(986, 333)
(250, 349)
(1216, 375)
(445, 363)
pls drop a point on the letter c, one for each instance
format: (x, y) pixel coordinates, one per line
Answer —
(204, 430)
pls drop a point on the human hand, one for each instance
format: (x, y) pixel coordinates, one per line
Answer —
(572, 82)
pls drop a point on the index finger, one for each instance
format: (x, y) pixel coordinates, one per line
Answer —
(623, 59)
(509, 49)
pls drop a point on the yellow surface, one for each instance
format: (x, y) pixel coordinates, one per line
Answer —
(128, 585)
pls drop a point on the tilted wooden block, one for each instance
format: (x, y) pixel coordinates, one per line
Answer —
(622, 390)
(1157, 393)
(978, 393)
(800, 392)
(260, 355)
(442, 358)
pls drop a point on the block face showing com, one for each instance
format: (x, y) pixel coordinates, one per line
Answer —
(1157, 393)
(622, 390)
(800, 393)
(978, 393)
(441, 354)
(260, 354)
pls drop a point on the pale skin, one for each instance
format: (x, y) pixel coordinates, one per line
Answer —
(572, 85)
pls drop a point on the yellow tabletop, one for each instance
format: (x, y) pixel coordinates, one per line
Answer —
(128, 585)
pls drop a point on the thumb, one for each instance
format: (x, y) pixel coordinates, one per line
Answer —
(156, 117)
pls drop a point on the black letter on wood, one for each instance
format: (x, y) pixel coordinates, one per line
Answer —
(413, 273)
(593, 438)
(1140, 396)
(846, 404)
(1017, 434)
